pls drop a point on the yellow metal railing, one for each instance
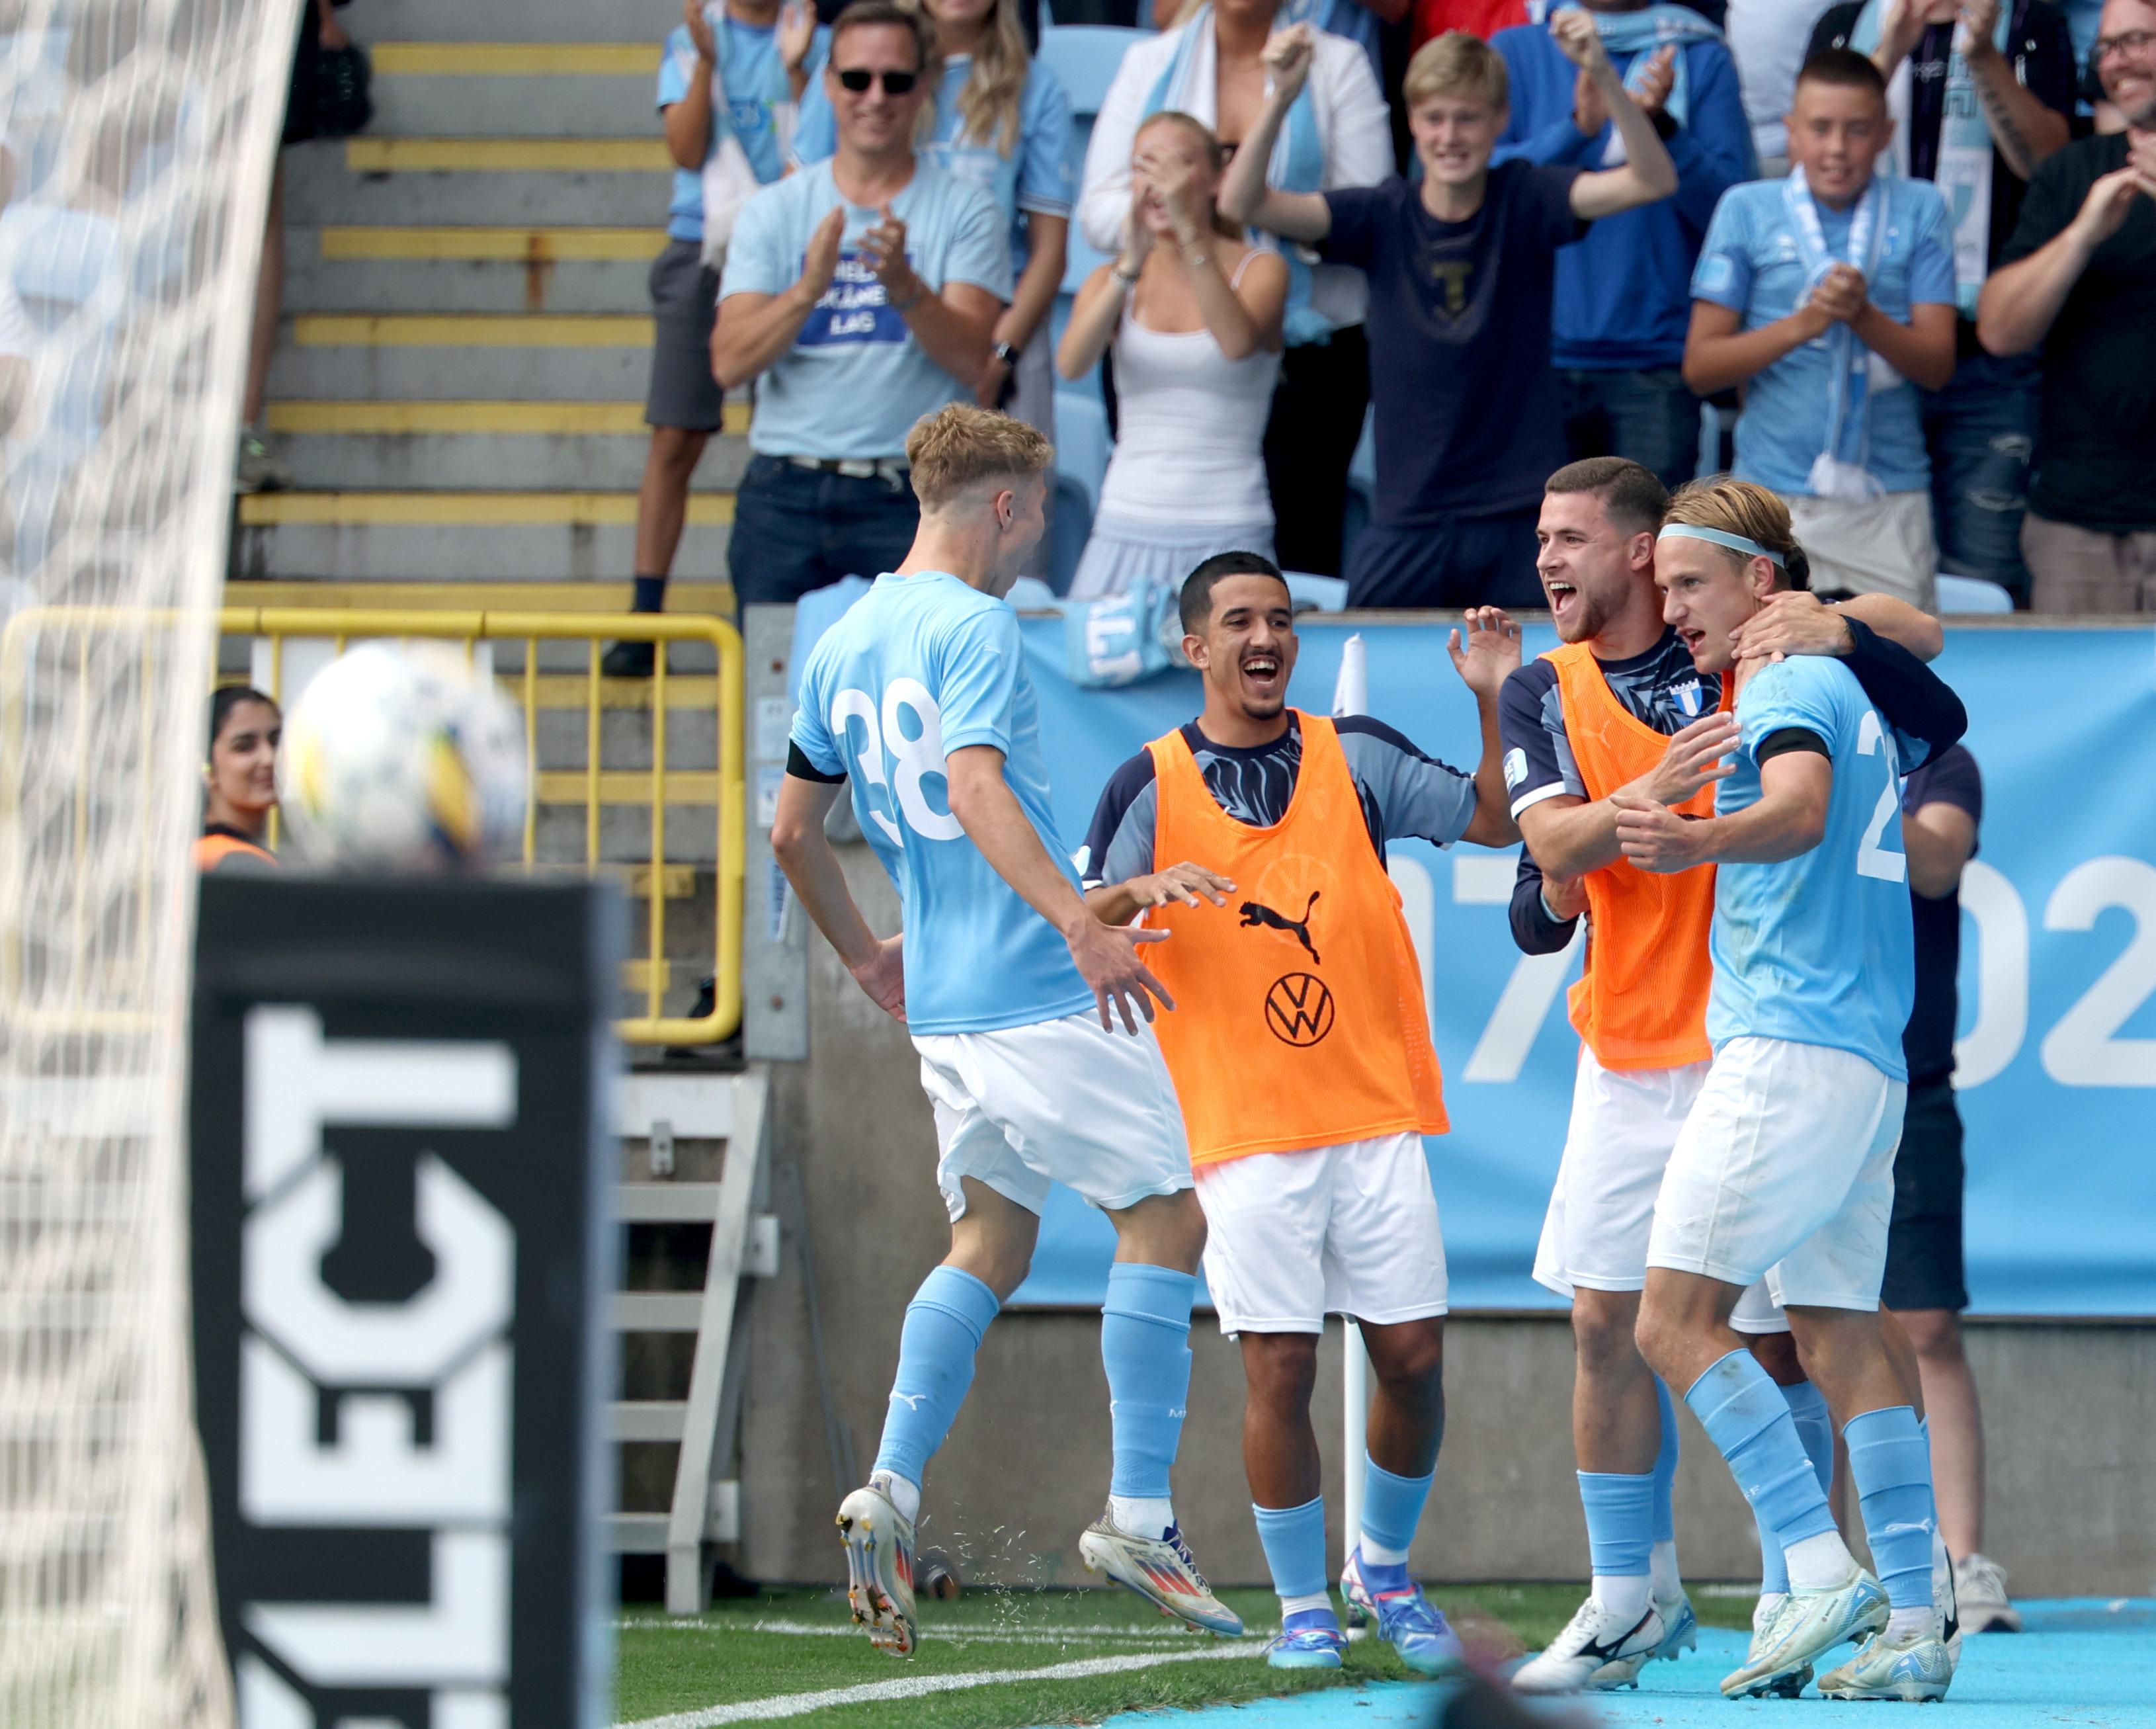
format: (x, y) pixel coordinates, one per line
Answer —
(594, 786)
(723, 787)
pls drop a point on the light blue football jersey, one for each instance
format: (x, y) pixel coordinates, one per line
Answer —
(921, 665)
(1818, 949)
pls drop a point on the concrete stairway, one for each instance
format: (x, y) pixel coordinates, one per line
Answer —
(459, 387)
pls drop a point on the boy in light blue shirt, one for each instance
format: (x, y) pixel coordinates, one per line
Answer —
(1827, 295)
(1784, 1167)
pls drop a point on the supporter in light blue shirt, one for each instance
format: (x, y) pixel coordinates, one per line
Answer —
(1818, 949)
(1753, 264)
(923, 666)
(1000, 121)
(856, 379)
(1036, 176)
(758, 81)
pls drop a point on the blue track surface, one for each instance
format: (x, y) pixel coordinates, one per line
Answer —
(2090, 1664)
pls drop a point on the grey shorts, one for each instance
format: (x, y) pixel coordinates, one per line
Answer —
(685, 305)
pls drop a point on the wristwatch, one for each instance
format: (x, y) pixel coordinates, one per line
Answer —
(1006, 352)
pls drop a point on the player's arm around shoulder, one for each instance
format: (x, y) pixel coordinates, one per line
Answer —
(1788, 715)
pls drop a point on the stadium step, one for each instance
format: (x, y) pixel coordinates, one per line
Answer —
(510, 89)
(477, 182)
(373, 21)
(463, 537)
(677, 1130)
(450, 269)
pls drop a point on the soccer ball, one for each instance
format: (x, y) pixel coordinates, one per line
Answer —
(403, 759)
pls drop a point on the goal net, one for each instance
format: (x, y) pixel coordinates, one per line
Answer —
(136, 139)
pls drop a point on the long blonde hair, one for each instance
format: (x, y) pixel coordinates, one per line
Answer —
(992, 102)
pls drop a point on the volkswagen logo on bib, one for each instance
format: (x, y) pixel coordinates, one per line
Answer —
(1299, 1009)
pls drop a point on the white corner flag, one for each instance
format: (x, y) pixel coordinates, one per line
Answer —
(1351, 690)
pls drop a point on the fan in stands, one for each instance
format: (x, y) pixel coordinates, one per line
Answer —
(404, 759)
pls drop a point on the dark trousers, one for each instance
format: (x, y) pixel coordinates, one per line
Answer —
(1979, 431)
(1317, 421)
(1649, 416)
(796, 529)
(1465, 562)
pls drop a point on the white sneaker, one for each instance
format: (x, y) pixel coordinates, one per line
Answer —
(1979, 1582)
(1809, 1623)
(1913, 1669)
(879, 1541)
(1162, 1570)
(1596, 1651)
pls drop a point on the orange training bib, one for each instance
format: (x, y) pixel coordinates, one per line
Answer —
(1641, 1003)
(1299, 1019)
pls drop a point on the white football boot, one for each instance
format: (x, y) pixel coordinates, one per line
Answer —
(1913, 1669)
(1809, 1623)
(879, 1541)
(1595, 1652)
(1161, 1570)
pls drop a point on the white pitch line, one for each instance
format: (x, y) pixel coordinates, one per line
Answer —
(989, 1634)
(795, 1705)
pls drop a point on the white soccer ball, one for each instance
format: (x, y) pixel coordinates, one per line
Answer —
(404, 758)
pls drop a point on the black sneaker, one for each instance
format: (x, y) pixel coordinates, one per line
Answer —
(628, 660)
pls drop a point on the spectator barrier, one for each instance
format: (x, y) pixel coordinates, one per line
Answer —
(2057, 1043)
(715, 701)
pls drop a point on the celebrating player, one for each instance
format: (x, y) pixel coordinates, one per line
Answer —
(1621, 708)
(1289, 948)
(1008, 984)
(1784, 1168)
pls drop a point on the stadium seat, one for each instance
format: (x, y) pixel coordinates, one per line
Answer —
(1972, 594)
(1316, 594)
(1068, 532)
(1081, 443)
(1085, 58)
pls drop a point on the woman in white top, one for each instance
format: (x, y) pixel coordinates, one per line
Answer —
(1211, 66)
(1194, 316)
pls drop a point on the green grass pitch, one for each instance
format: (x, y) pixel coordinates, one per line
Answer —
(763, 1658)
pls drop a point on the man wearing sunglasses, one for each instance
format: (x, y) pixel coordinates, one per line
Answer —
(862, 291)
(2078, 281)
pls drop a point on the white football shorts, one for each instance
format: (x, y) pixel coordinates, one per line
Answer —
(1349, 1230)
(1785, 1171)
(1057, 1102)
(1625, 1123)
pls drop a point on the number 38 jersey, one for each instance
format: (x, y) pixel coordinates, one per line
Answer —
(1817, 949)
(922, 665)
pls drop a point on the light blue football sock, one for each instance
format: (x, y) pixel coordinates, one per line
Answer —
(1145, 1346)
(1392, 1508)
(944, 1324)
(1748, 1420)
(1665, 1467)
(1815, 1430)
(1893, 1471)
(1294, 1542)
(1620, 1521)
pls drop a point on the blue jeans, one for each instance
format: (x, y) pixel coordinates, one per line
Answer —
(1650, 417)
(1979, 431)
(796, 529)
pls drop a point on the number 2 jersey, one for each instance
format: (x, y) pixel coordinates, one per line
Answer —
(924, 665)
(1818, 949)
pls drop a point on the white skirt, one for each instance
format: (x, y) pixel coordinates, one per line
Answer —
(1121, 553)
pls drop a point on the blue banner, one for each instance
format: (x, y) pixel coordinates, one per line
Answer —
(2057, 1044)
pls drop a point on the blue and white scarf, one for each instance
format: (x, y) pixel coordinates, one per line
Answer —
(1639, 34)
(1963, 174)
(1853, 378)
(1189, 85)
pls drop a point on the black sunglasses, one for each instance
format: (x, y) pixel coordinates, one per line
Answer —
(858, 79)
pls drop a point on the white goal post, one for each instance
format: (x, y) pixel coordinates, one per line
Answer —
(136, 145)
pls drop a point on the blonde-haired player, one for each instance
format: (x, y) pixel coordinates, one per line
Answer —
(1010, 987)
